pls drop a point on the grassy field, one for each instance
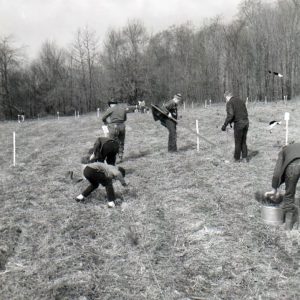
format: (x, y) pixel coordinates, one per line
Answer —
(189, 227)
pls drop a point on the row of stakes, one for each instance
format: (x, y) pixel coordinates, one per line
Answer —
(105, 131)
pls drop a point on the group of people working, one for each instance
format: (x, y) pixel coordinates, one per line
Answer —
(101, 168)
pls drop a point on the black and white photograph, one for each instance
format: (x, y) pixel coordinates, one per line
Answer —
(149, 150)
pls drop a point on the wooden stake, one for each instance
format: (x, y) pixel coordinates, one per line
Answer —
(198, 140)
(14, 149)
(286, 118)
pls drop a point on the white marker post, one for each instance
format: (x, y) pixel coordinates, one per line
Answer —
(192, 104)
(205, 103)
(14, 149)
(266, 100)
(58, 115)
(98, 112)
(198, 140)
(78, 114)
(286, 118)
(184, 105)
(247, 102)
(209, 102)
(285, 99)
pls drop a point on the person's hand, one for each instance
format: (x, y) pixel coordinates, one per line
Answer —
(271, 193)
(223, 128)
(169, 115)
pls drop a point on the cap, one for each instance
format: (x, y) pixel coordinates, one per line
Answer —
(112, 102)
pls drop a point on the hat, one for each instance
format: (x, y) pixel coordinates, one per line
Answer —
(112, 102)
(178, 96)
(122, 170)
(227, 94)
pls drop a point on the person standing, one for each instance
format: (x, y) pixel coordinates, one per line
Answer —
(287, 170)
(237, 113)
(115, 118)
(100, 173)
(170, 123)
(105, 149)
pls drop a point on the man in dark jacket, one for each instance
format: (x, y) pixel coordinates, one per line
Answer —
(115, 118)
(237, 113)
(105, 149)
(171, 109)
(287, 170)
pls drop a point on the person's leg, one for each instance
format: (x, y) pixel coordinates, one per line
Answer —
(238, 134)
(244, 141)
(109, 151)
(121, 138)
(172, 142)
(91, 175)
(291, 211)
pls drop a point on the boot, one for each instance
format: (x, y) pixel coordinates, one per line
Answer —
(292, 219)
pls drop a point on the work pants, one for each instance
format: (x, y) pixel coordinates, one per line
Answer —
(172, 142)
(240, 139)
(95, 177)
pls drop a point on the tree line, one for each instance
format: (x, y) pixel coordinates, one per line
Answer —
(131, 65)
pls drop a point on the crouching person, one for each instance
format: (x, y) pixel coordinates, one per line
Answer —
(100, 173)
(287, 170)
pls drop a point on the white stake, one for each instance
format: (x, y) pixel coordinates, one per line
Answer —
(209, 102)
(14, 149)
(247, 102)
(266, 100)
(58, 115)
(286, 118)
(205, 104)
(198, 140)
(98, 112)
(78, 114)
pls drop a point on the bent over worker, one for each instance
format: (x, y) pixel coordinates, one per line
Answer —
(105, 149)
(115, 118)
(100, 173)
(287, 170)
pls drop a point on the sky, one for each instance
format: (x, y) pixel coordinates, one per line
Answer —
(32, 22)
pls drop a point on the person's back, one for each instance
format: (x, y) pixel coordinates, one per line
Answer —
(117, 114)
(105, 148)
(240, 112)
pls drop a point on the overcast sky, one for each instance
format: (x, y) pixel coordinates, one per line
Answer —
(31, 22)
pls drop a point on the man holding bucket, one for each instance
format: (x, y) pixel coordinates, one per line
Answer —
(287, 170)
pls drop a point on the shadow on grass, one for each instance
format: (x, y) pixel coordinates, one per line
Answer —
(135, 155)
(252, 153)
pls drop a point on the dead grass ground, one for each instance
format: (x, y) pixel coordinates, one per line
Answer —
(189, 227)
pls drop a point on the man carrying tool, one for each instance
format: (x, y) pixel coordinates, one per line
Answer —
(237, 113)
(115, 118)
(170, 121)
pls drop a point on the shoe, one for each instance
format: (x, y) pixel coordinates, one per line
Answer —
(111, 204)
(80, 198)
(245, 160)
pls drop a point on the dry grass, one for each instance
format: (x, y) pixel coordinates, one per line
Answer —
(189, 227)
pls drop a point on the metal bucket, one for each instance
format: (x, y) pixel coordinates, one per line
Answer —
(272, 215)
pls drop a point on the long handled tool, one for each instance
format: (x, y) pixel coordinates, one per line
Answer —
(157, 113)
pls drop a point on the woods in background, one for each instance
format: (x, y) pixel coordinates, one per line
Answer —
(131, 65)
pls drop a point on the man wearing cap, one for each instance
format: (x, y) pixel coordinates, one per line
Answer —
(115, 118)
(237, 113)
(287, 170)
(171, 108)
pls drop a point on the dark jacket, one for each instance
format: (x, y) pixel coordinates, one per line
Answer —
(171, 107)
(236, 111)
(117, 115)
(285, 157)
(100, 149)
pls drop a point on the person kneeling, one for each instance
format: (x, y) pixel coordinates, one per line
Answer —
(287, 170)
(100, 173)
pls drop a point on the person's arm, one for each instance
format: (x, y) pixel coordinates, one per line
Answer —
(230, 114)
(277, 171)
(106, 115)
